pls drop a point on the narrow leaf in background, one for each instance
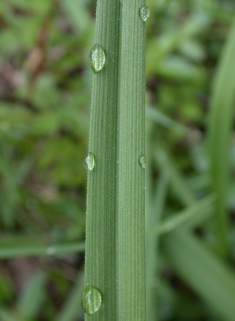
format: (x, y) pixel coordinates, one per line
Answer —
(220, 130)
(153, 218)
(203, 271)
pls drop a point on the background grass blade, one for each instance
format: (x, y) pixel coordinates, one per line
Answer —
(155, 115)
(78, 14)
(33, 295)
(179, 186)
(220, 130)
(72, 309)
(203, 271)
(152, 220)
(192, 216)
(24, 247)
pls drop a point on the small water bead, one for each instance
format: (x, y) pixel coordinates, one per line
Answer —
(143, 161)
(91, 300)
(144, 13)
(97, 58)
(89, 162)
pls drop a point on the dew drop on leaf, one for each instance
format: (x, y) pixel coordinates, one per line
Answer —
(89, 162)
(97, 58)
(144, 13)
(91, 300)
(143, 161)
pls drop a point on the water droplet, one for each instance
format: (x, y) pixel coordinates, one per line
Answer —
(143, 161)
(144, 13)
(91, 300)
(97, 58)
(89, 162)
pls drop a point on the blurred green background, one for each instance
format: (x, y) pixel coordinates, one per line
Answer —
(45, 89)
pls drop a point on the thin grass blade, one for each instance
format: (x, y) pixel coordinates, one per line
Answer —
(72, 309)
(152, 220)
(31, 298)
(160, 118)
(208, 276)
(21, 246)
(178, 183)
(191, 217)
(220, 130)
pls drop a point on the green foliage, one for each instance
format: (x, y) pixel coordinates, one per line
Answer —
(115, 252)
(45, 88)
(100, 260)
(220, 132)
(203, 271)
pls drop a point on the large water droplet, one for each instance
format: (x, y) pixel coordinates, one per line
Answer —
(143, 161)
(89, 162)
(144, 13)
(97, 58)
(91, 300)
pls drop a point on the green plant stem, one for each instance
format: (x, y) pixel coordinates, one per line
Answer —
(115, 245)
(131, 176)
(100, 259)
